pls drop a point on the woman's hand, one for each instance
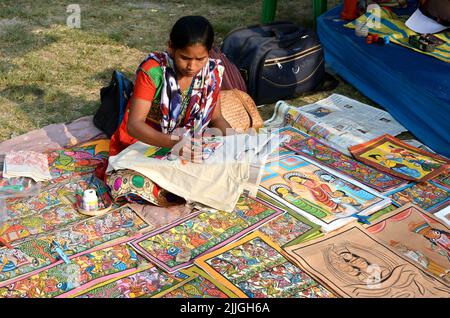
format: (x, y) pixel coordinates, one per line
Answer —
(189, 149)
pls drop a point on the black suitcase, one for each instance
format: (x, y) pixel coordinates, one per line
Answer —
(278, 60)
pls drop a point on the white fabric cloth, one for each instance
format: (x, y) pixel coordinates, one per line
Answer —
(217, 182)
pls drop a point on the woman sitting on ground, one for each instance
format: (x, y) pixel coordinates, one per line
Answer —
(175, 96)
(175, 89)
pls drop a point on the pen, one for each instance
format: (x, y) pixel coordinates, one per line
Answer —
(59, 250)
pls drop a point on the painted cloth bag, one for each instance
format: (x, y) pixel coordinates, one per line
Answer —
(131, 186)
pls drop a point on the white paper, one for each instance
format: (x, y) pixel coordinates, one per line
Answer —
(341, 121)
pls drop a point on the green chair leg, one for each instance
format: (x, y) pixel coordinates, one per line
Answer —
(269, 7)
(319, 7)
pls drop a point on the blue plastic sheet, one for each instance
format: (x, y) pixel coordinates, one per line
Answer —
(414, 88)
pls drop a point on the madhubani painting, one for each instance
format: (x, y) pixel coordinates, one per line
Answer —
(318, 151)
(255, 267)
(393, 156)
(54, 207)
(209, 146)
(178, 244)
(287, 135)
(354, 264)
(325, 197)
(289, 227)
(198, 285)
(419, 237)
(83, 271)
(35, 254)
(427, 195)
(443, 179)
(79, 159)
(145, 281)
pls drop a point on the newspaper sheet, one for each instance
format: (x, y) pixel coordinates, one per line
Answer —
(344, 122)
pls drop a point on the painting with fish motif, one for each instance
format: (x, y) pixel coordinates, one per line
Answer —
(78, 160)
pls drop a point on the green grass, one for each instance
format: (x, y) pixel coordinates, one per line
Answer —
(50, 73)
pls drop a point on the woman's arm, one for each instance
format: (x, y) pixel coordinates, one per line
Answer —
(139, 129)
(218, 121)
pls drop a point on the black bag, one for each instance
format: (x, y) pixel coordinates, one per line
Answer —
(114, 99)
(278, 60)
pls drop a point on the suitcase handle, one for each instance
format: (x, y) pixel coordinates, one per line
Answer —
(284, 33)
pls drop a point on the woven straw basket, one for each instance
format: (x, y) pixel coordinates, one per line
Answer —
(239, 110)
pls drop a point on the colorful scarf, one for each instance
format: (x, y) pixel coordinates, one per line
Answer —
(204, 94)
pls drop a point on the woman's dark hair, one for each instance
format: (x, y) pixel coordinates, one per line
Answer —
(190, 30)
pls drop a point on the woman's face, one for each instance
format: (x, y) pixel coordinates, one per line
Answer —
(190, 60)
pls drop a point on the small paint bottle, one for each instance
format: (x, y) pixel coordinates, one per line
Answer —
(90, 200)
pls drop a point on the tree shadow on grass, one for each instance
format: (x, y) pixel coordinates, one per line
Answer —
(18, 40)
(42, 107)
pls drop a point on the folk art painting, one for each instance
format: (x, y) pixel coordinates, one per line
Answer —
(255, 267)
(209, 146)
(417, 236)
(442, 179)
(33, 255)
(354, 263)
(78, 160)
(175, 246)
(393, 156)
(430, 196)
(288, 228)
(287, 135)
(54, 207)
(198, 285)
(146, 281)
(316, 150)
(83, 271)
(322, 195)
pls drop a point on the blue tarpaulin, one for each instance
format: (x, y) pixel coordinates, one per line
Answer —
(414, 88)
